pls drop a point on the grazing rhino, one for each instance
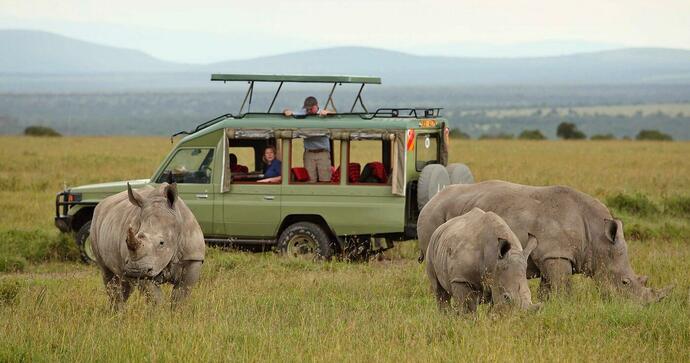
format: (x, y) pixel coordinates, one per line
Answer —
(576, 232)
(477, 258)
(147, 237)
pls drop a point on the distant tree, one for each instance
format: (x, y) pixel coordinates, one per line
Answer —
(602, 137)
(569, 131)
(653, 135)
(531, 135)
(498, 136)
(40, 131)
(457, 133)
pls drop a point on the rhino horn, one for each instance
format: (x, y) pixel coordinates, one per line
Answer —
(132, 242)
(531, 245)
(134, 197)
(662, 293)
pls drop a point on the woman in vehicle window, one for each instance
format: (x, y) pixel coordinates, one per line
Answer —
(272, 166)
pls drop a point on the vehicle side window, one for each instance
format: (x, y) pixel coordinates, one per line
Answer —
(426, 150)
(189, 166)
(369, 162)
(246, 160)
(300, 173)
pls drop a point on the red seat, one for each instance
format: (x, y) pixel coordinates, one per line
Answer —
(374, 172)
(239, 169)
(352, 172)
(300, 174)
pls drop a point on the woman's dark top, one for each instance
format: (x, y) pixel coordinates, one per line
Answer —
(273, 169)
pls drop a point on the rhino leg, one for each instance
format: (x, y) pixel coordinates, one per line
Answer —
(466, 296)
(555, 276)
(442, 296)
(190, 275)
(151, 291)
(117, 288)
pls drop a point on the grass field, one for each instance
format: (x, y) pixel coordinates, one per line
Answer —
(251, 306)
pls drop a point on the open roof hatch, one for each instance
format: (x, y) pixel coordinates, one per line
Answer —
(336, 80)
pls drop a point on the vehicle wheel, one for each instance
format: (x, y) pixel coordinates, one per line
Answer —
(460, 174)
(305, 240)
(432, 179)
(84, 243)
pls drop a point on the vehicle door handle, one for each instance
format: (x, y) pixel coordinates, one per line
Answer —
(269, 197)
(202, 196)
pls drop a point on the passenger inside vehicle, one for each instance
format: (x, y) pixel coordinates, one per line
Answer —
(235, 167)
(317, 149)
(272, 166)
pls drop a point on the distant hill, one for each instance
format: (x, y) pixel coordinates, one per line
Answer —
(32, 61)
(30, 52)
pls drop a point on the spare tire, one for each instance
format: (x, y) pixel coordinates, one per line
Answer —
(460, 174)
(433, 178)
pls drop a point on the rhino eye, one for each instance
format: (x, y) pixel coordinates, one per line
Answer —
(626, 281)
(161, 243)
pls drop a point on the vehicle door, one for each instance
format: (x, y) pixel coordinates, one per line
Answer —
(192, 169)
(251, 208)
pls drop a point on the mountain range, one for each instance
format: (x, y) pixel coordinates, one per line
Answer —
(31, 58)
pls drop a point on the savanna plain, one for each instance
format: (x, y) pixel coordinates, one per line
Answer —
(260, 307)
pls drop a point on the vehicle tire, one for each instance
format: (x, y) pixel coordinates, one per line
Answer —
(84, 243)
(460, 174)
(305, 240)
(433, 178)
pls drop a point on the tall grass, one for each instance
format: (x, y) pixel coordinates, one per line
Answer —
(251, 306)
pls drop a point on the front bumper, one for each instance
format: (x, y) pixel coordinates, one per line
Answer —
(63, 223)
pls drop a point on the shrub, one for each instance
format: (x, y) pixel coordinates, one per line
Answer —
(653, 135)
(637, 204)
(40, 131)
(12, 264)
(569, 131)
(531, 135)
(602, 137)
(678, 205)
(498, 136)
(8, 292)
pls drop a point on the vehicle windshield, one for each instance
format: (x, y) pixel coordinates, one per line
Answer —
(189, 166)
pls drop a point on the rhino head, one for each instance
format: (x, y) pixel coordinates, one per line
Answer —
(506, 272)
(611, 264)
(153, 237)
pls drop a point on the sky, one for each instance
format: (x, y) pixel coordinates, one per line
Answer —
(204, 31)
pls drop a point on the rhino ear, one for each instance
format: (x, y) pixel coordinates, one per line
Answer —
(134, 197)
(613, 230)
(503, 248)
(531, 245)
(170, 193)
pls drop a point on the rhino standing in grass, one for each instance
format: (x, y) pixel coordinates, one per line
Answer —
(147, 237)
(576, 232)
(476, 258)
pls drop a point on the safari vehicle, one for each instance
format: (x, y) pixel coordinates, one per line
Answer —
(385, 165)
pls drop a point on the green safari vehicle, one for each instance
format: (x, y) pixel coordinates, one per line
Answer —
(384, 166)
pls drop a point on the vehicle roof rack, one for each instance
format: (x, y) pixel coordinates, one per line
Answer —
(202, 125)
(296, 78)
(404, 112)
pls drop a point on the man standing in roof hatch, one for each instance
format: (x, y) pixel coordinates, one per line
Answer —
(317, 149)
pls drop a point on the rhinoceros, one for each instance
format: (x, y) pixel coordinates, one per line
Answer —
(476, 258)
(147, 237)
(576, 232)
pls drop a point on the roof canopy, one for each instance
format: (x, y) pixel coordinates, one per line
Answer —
(295, 78)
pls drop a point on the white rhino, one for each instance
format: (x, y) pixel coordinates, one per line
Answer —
(476, 258)
(576, 232)
(147, 237)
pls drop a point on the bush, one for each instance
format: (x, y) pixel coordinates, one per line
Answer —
(531, 135)
(37, 246)
(8, 292)
(602, 137)
(637, 204)
(569, 131)
(12, 263)
(679, 206)
(498, 136)
(40, 131)
(655, 135)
